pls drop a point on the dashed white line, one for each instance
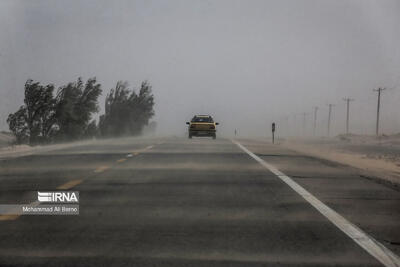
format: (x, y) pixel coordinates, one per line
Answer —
(368, 243)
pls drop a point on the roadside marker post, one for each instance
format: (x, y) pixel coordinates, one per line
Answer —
(273, 132)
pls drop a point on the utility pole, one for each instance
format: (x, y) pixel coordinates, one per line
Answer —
(379, 90)
(348, 100)
(329, 117)
(315, 120)
(304, 123)
(287, 126)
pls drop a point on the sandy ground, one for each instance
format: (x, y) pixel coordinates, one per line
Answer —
(108, 145)
(13, 151)
(376, 157)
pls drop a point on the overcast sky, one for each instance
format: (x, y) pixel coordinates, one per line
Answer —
(247, 63)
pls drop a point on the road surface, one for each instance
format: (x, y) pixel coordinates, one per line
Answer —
(200, 202)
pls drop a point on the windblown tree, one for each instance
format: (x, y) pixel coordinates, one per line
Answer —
(18, 126)
(34, 121)
(126, 113)
(75, 104)
(142, 107)
(112, 122)
(91, 130)
(67, 116)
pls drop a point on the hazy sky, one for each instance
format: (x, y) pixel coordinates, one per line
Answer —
(245, 62)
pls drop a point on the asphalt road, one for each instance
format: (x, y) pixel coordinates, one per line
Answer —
(199, 202)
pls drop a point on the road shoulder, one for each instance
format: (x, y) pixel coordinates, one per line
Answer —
(372, 168)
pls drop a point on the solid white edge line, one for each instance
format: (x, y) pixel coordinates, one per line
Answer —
(373, 247)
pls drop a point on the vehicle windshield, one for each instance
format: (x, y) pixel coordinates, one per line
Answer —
(202, 119)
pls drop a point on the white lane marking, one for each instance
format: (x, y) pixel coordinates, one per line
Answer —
(372, 246)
